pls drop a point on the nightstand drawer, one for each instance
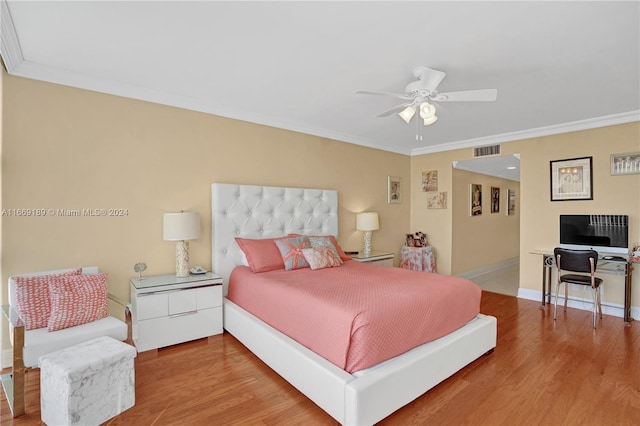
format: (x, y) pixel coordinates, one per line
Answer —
(209, 297)
(182, 301)
(152, 305)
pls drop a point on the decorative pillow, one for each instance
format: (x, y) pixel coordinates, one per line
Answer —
(33, 298)
(322, 257)
(262, 255)
(77, 300)
(324, 242)
(343, 256)
(291, 251)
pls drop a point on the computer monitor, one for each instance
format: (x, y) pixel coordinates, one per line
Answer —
(604, 233)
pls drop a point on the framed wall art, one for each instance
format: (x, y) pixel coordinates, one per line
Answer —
(437, 200)
(625, 164)
(571, 179)
(430, 181)
(511, 202)
(495, 199)
(394, 190)
(475, 199)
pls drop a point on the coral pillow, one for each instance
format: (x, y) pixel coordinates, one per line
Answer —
(33, 299)
(291, 251)
(320, 258)
(324, 242)
(77, 300)
(262, 255)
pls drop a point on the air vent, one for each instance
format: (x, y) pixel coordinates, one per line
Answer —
(484, 151)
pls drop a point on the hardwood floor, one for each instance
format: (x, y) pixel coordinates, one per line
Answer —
(562, 373)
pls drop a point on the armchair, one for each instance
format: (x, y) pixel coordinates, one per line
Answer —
(30, 345)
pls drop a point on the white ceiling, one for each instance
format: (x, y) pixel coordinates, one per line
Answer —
(558, 66)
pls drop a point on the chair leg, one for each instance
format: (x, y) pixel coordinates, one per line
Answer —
(566, 295)
(555, 305)
(600, 302)
(596, 305)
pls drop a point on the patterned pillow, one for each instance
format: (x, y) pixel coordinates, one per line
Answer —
(320, 258)
(324, 242)
(291, 251)
(33, 299)
(77, 300)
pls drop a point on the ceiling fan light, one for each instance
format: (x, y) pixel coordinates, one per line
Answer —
(430, 120)
(427, 110)
(407, 114)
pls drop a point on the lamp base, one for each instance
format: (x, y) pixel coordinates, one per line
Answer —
(182, 259)
(367, 243)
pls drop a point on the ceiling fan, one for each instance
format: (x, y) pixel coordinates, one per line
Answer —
(422, 94)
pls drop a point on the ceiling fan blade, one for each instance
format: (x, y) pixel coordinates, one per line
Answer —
(394, 110)
(395, 95)
(431, 78)
(484, 95)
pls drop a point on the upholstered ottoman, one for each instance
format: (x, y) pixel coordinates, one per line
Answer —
(88, 383)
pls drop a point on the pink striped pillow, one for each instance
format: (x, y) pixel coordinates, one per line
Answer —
(33, 299)
(77, 300)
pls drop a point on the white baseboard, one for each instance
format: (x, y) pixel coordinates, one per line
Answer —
(476, 273)
(586, 304)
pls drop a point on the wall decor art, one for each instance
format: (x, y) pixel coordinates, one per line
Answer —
(430, 181)
(394, 190)
(571, 179)
(495, 199)
(625, 164)
(511, 202)
(475, 199)
(437, 200)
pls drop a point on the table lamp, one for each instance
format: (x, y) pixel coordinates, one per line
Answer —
(181, 227)
(367, 222)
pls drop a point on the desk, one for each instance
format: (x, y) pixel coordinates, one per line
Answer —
(611, 267)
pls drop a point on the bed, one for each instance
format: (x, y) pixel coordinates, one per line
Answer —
(364, 397)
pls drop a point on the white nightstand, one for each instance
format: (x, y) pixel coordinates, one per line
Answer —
(167, 310)
(381, 258)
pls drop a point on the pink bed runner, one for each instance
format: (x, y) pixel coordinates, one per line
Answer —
(357, 315)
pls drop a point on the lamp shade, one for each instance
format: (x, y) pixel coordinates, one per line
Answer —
(181, 226)
(367, 221)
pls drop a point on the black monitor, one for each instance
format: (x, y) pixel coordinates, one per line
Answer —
(604, 233)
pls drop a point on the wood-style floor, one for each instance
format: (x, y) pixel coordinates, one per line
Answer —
(542, 372)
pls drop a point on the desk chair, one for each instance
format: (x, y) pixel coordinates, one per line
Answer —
(585, 262)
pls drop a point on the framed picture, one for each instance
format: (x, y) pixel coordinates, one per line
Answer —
(495, 200)
(571, 179)
(437, 200)
(409, 240)
(430, 181)
(625, 164)
(511, 202)
(394, 190)
(475, 199)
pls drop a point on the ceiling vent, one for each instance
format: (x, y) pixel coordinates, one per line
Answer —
(483, 151)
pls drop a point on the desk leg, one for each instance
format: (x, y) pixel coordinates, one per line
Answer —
(13, 383)
(547, 264)
(627, 294)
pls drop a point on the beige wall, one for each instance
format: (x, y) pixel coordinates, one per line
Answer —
(488, 238)
(539, 215)
(67, 148)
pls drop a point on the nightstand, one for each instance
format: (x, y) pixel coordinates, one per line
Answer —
(167, 310)
(381, 258)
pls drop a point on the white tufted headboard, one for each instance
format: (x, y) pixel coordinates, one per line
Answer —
(251, 211)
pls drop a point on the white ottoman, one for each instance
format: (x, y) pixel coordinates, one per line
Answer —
(88, 383)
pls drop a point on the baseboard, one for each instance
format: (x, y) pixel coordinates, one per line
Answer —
(476, 273)
(6, 359)
(585, 304)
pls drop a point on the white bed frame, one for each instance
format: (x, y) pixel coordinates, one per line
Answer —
(263, 212)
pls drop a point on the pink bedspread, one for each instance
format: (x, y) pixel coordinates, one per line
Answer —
(357, 315)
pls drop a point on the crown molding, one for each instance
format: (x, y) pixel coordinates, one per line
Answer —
(573, 126)
(9, 46)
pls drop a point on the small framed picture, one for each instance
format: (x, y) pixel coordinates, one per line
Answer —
(495, 200)
(437, 200)
(430, 181)
(511, 202)
(409, 240)
(625, 164)
(571, 179)
(475, 199)
(394, 190)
